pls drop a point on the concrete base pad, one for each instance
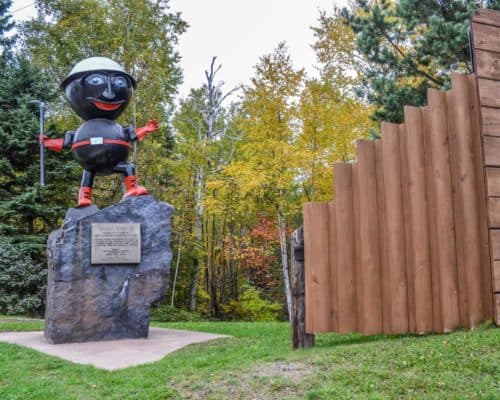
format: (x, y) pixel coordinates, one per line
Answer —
(113, 354)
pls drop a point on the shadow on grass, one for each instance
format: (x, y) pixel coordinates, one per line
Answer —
(347, 339)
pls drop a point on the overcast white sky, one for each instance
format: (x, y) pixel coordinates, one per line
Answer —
(238, 32)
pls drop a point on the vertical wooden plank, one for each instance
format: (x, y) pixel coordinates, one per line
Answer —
(479, 158)
(369, 268)
(358, 293)
(468, 196)
(431, 215)
(419, 223)
(410, 287)
(308, 276)
(346, 256)
(317, 267)
(385, 278)
(457, 207)
(397, 293)
(332, 245)
(446, 262)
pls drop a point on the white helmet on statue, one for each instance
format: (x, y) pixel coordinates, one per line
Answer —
(95, 64)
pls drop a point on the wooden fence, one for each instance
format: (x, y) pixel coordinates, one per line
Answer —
(409, 242)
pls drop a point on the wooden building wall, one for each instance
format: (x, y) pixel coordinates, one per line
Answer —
(411, 242)
(486, 44)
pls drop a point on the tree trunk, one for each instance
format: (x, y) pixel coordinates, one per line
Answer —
(198, 235)
(223, 261)
(179, 248)
(300, 338)
(212, 287)
(194, 285)
(284, 259)
(31, 226)
(233, 276)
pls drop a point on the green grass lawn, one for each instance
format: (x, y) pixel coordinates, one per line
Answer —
(257, 363)
(10, 323)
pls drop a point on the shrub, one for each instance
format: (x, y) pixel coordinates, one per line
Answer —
(251, 307)
(23, 278)
(165, 313)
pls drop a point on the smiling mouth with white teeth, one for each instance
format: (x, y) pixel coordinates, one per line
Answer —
(107, 106)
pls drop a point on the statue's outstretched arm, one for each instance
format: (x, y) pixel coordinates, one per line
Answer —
(57, 144)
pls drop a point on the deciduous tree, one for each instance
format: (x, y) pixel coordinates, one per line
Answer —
(202, 128)
(331, 122)
(265, 166)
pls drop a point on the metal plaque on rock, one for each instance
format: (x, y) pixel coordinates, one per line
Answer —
(116, 243)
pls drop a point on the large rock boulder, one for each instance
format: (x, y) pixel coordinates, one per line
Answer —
(92, 302)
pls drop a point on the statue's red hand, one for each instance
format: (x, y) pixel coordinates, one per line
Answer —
(152, 125)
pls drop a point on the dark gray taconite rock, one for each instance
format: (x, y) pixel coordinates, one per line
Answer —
(88, 302)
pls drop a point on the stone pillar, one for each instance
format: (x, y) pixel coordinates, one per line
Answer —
(93, 302)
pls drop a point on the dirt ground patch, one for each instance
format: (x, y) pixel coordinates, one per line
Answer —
(286, 370)
(265, 381)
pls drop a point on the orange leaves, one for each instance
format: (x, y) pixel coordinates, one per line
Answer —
(257, 253)
(265, 230)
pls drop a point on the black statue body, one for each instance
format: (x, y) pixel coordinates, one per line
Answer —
(98, 90)
(111, 145)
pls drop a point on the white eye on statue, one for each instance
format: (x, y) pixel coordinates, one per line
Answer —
(120, 81)
(94, 79)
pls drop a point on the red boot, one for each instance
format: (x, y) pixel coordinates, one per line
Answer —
(85, 197)
(132, 188)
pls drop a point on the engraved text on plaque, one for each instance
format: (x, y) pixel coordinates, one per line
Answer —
(114, 243)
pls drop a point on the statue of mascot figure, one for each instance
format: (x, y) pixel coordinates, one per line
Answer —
(98, 90)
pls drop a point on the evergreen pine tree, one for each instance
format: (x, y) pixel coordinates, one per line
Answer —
(6, 24)
(27, 211)
(410, 46)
